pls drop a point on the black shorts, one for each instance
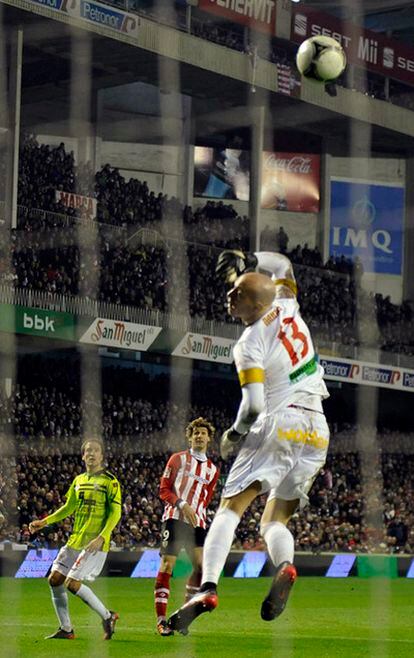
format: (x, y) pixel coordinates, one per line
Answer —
(176, 535)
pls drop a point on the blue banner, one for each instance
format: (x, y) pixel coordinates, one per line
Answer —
(367, 222)
(104, 15)
(94, 12)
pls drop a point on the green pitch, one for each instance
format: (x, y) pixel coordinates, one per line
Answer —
(344, 618)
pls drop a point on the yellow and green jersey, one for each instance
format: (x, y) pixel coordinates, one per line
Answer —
(95, 501)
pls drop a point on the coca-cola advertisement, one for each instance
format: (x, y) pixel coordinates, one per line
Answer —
(291, 181)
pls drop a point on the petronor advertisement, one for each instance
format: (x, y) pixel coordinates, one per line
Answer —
(95, 12)
(117, 333)
(36, 322)
(369, 374)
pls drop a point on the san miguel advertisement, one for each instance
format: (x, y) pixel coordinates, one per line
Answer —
(257, 14)
(291, 181)
(364, 48)
(117, 333)
(367, 222)
(205, 348)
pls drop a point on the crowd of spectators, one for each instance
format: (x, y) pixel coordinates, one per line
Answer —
(37, 479)
(41, 428)
(332, 300)
(139, 274)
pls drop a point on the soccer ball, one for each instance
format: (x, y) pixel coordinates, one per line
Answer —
(321, 58)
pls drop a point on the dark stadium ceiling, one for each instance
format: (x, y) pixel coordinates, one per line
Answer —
(219, 104)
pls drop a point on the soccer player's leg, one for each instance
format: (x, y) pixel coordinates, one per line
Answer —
(193, 583)
(60, 568)
(162, 593)
(280, 545)
(217, 547)
(87, 567)
(171, 541)
(283, 500)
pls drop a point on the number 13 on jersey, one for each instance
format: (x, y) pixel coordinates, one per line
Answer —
(294, 340)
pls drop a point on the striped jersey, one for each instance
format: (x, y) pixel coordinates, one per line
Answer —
(191, 480)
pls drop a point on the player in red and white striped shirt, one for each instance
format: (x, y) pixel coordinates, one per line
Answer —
(186, 487)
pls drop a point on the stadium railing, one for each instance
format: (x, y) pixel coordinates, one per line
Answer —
(89, 307)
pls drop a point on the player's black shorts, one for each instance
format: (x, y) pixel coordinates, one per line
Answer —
(176, 535)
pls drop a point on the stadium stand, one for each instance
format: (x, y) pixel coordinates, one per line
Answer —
(141, 432)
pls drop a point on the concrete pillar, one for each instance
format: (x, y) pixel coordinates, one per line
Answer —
(257, 131)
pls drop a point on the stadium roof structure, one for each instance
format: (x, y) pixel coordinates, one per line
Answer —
(218, 102)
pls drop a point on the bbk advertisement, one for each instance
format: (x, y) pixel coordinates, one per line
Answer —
(37, 322)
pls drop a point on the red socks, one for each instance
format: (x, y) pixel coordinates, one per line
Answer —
(161, 595)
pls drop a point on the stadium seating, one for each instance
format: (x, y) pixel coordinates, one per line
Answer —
(141, 432)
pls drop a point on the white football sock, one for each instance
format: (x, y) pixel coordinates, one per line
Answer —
(60, 604)
(218, 544)
(279, 541)
(86, 594)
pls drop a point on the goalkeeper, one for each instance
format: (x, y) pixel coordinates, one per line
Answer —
(232, 263)
(94, 498)
(280, 426)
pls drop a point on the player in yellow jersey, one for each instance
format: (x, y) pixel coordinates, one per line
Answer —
(94, 500)
(280, 425)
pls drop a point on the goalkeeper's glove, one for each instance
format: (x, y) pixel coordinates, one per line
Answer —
(232, 263)
(229, 440)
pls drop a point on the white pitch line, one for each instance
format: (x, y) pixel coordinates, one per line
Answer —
(136, 629)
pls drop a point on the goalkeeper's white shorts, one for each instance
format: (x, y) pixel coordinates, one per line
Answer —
(284, 452)
(79, 565)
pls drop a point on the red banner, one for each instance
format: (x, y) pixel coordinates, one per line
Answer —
(87, 205)
(257, 14)
(290, 181)
(364, 48)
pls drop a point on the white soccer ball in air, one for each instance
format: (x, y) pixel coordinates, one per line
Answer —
(321, 58)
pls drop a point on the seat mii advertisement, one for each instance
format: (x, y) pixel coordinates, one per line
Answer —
(367, 221)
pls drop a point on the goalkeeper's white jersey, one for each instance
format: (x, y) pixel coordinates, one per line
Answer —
(278, 351)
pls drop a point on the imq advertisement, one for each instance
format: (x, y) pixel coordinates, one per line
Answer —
(367, 222)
